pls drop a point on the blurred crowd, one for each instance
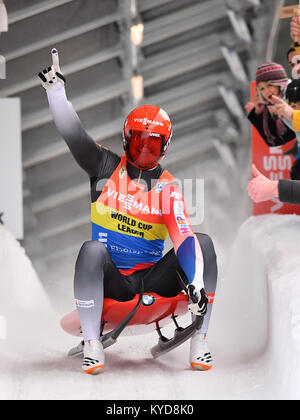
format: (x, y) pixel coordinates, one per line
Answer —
(275, 113)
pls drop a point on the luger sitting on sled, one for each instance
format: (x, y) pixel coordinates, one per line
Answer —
(135, 204)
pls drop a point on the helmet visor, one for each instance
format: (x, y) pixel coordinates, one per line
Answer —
(144, 149)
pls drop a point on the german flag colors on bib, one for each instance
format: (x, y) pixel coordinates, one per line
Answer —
(129, 220)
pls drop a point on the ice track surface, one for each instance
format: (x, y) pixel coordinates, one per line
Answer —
(33, 362)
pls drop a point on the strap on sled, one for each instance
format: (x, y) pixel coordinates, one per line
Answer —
(111, 337)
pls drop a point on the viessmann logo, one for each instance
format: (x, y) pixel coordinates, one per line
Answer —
(130, 203)
(145, 121)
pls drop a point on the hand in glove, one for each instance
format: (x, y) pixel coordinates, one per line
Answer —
(52, 74)
(199, 301)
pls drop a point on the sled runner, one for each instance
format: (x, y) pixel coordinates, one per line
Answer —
(144, 310)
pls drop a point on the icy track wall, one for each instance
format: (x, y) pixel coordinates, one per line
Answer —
(262, 291)
(25, 312)
(255, 329)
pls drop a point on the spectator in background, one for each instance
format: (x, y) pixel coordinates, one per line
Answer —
(293, 52)
(260, 188)
(271, 79)
(292, 96)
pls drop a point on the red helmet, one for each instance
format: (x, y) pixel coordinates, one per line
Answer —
(146, 136)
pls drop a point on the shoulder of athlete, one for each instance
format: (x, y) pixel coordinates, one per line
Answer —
(171, 190)
(107, 151)
(108, 161)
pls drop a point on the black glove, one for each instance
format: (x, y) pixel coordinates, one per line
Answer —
(199, 301)
(52, 74)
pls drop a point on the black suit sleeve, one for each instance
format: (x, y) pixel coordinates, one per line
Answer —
(92, 158)
(289, 191)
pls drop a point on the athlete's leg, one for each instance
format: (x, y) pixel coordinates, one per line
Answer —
(96, 277)
(205, 265)
(200, 357)
(162, 278)
(210, 273)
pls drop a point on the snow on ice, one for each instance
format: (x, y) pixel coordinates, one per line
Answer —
(254, 334)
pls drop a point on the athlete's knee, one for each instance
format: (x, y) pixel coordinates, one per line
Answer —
(92, 253)
(94, 248)
(206, 243)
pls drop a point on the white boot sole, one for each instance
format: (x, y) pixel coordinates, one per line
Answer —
(200, 366)
(94, 370)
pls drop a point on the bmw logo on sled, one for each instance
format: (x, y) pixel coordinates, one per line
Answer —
(148, 300)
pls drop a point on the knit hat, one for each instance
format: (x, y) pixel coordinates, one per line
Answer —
(274, 74)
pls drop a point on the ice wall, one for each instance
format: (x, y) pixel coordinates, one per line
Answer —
(258, 304)
(25, 310)
(254, 333)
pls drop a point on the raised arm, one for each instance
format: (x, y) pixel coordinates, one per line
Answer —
(87, 153)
